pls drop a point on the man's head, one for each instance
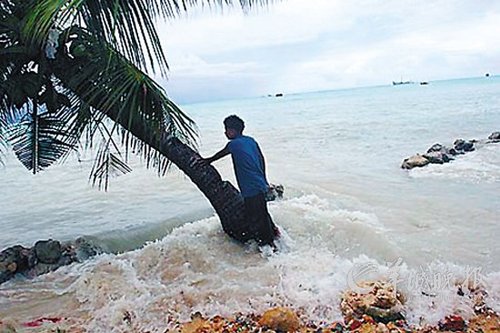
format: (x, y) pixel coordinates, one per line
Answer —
(234, 126)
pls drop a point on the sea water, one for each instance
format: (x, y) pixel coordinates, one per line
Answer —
(349, 213)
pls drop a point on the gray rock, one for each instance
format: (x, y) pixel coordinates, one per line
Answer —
(438, 157)
(275, 192)
(13, 260)
(414, 161)
(46, 256)
(85, 249)
(436, 147)
(48, 252)
(462, 145)
(494, 136)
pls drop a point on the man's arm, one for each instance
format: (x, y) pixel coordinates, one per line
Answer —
(217, 156)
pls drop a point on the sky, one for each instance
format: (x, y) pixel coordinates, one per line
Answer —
(298, 46)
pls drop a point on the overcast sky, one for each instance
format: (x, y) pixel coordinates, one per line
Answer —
(303, 45)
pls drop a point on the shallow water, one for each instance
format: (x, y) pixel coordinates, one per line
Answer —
(349, 213)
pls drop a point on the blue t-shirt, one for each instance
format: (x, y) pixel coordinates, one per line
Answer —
(248, 165)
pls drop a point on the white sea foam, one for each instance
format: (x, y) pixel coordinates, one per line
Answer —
(198, 268)
(348, 206)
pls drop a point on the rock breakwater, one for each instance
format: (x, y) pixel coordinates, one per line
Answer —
(440, 154)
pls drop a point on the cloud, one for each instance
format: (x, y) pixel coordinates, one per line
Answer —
(299, 45)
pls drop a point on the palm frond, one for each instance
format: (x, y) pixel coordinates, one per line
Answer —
(38, 141)
(107, 164)
(114, 86)
(128, 25)
(3, 140)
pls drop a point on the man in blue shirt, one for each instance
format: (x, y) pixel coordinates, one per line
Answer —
(250, 170)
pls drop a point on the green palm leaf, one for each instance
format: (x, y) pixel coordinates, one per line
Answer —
(128, 25)
(114, 86)
(39, 140)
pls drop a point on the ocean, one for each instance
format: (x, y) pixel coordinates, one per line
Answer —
(349, 213)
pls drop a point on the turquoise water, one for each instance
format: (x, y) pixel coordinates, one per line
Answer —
(347, 203)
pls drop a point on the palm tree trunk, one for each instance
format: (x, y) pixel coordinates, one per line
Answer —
(223, 196)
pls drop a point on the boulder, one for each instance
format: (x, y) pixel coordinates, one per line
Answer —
(437, 157)
(84, 249)
(436, 147)
(45, 256)
(48, 251)
(379, 300)
(414, 161)
(280, 319)
(462, 145)
(494, 137)
(13, 260)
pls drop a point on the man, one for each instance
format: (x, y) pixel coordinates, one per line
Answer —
(250, 170)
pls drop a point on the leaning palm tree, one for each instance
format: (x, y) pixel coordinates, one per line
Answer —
(72, 70)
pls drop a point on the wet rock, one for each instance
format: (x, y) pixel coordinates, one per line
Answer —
(379, 300)
(462, 145)
(85, 249)
(452, 323)
(48, 251)
(44, 257)
(440, 154)
(6, 327)
(275, 192)
(437, 157)
(12, 260)
(485, 323)
(280, 319)
(494, 136)
(436, 147)
(414, 161)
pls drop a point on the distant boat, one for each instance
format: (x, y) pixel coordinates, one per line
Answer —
(394, 83)
(487, 74)
(279, 95)
(424, 83)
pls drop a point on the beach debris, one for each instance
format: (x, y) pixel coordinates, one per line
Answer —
(452, 323)
(377, 299)
(280, 319)
(40, 321)
(440, 154)
(45, 256)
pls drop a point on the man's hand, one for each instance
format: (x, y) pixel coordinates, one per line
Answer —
(198, 160)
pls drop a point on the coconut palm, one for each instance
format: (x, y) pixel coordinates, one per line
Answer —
(75, 70)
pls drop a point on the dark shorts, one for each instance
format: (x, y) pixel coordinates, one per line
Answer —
(261, 227)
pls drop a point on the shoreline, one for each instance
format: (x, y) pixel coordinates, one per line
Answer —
(375, 306)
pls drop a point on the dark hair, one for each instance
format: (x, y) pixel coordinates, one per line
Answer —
(235, 123)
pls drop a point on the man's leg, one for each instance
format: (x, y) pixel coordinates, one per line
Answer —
(259, 221)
